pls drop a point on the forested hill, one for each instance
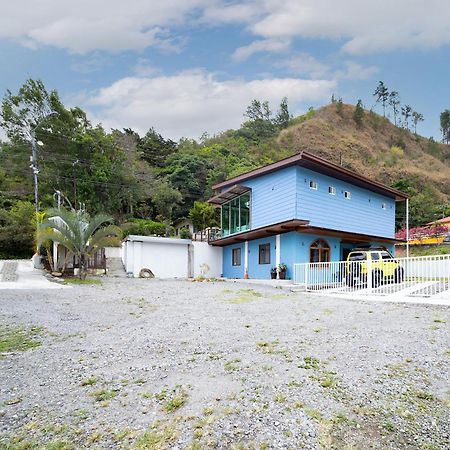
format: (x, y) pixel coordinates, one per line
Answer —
(377, 149)
(132, 176)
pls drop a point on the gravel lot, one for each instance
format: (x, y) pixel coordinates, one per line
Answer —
(190, 365)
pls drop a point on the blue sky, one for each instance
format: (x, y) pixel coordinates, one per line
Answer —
(189, 66)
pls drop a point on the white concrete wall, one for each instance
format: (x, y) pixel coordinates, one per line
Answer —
(207, 260)
(169, 258)
(113, 252)
(164, 260)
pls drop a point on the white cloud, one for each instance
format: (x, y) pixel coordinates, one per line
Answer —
(356, 71)
(266, 45)
(365, 26)
(304, 64)
(191, 102)
(361, 26)
(85, 25)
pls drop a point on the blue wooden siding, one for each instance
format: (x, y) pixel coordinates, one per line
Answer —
(362, 213)
(256, 270)
(273, 197)
(294, 249)
(228, 270)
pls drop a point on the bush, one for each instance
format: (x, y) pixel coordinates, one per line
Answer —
(185, 234)
(144, 227)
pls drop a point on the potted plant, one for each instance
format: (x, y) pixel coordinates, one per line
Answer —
(282, 268)
(273, 273)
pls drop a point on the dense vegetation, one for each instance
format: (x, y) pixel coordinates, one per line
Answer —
(151, 178)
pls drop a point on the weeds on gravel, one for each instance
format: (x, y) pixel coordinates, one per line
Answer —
(85, 281)
(232, 366)
(160, 436)
(89, 381)
(309, 362)
(16, 338)
(245, 296)
(173, 399)
(104, 395)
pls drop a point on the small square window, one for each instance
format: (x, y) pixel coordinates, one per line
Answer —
(383, 206)
(236, 257)
(264, 254)
(313, 185)
(331, 190)
(347, 194)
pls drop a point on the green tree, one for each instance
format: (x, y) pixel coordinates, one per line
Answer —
(417, 117)
(17, 231)
(204, 215)
(445, 125)
(79, 233)
(358, 114)
(283, 117)
(339, 106)
(406, 113)
(155, 149)
(166, 198)
(394, 103)
(382, 95)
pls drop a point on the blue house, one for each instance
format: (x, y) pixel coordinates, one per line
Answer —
(300, 209)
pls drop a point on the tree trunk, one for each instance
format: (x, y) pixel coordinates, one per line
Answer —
(83, 267)
(167, 228)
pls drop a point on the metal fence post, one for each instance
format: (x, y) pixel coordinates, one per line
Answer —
(369, 272)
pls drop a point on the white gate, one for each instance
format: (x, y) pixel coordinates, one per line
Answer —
(422, 276)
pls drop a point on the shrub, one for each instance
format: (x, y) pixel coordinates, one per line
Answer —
(185, 234)
(144, 227)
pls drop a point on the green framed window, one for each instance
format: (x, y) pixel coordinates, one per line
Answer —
(235, 215)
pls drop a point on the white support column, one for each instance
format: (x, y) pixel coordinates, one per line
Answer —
(55, 256)
(277, 252)
(246, 258)
(407, 227)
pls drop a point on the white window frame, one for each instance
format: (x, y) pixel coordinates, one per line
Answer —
(331, 190)
(383, 206)
(313, 185)
(347, 195)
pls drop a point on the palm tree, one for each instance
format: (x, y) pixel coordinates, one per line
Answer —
(79, 233)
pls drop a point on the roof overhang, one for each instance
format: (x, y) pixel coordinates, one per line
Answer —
(229, 194)
(321, 165)
(300, 226)
(278, 228)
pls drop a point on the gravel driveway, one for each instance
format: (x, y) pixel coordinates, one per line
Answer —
(188, 365)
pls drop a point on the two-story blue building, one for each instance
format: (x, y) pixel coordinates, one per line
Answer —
(300, 209)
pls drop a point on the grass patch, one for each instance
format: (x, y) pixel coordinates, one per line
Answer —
(232, 366)
(159, 437)
(104, 395)
(245, 296)
(85, 281)
(174, 399)
(89, 381)
(16, 338)
(309, 362)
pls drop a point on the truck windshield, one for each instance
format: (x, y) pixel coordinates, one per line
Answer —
(357, 256)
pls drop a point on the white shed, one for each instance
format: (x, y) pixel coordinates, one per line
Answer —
(171, 258)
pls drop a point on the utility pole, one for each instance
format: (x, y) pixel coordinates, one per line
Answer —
(35, 169)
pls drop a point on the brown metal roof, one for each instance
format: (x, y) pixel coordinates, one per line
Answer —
(321, 165)
(301, 226)
(229, 194)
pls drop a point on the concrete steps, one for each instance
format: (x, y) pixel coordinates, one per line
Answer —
(115, 268)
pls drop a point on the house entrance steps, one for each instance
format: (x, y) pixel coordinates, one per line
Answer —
(115, 268)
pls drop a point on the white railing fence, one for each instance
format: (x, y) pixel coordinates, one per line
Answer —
(423, 276)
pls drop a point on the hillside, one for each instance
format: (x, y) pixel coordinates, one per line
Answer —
(376, 149)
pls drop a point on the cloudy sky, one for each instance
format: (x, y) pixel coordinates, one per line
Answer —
(189, 66)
